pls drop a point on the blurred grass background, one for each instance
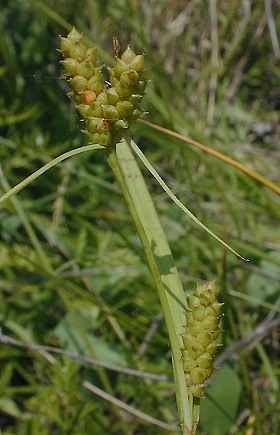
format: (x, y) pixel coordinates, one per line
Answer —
(72, 271)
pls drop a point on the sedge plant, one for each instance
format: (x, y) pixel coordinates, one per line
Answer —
(108, 100)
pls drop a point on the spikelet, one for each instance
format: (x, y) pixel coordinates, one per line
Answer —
(107, 107)
(200, 337)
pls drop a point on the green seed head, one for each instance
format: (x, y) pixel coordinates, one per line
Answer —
(108, 106)
(199, 339)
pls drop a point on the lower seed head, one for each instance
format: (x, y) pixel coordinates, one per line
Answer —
(199, 340)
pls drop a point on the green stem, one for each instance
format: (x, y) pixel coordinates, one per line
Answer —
(160, 261)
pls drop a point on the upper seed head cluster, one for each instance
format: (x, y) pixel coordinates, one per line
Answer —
(107, 107)
(200, 337)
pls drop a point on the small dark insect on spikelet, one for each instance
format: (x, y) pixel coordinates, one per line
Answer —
(200, 337)
(107, 106)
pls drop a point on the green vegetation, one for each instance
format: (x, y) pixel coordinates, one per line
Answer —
(73, 273)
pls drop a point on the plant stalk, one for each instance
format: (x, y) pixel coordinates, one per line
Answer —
(161, 263)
